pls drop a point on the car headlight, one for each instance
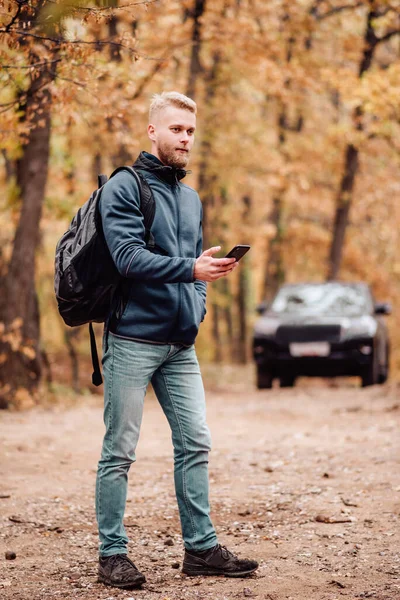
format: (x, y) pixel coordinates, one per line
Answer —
(266, 326)
(361, 327)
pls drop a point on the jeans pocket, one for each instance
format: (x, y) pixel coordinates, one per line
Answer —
(200, 303)
(106, 346)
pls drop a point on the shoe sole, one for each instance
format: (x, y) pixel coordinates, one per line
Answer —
(212, 572)
(122, 586)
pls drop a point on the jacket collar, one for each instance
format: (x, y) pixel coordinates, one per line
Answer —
(149, 162)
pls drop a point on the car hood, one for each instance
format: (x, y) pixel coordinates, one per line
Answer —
(350, 326)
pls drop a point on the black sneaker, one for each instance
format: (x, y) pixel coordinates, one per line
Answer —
(217, 561)
(119, 571)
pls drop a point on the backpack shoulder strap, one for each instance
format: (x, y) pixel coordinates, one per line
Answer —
(147, 202)
(101, 180)
(148, 209)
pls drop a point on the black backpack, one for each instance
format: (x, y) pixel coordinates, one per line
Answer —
(87, 283)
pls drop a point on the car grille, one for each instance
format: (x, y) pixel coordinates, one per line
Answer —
(307, 333)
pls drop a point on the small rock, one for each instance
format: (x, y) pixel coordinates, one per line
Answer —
(321, 518)
(175, 565)
(169, 542)
(10, 555)
(337, 583)
(248, 592)
(368, 523)
(348, 502)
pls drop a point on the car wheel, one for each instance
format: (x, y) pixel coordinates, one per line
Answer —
(264, 379)
(384, 370)
(287, 381)
(370, 374)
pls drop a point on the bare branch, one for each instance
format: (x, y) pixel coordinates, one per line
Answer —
(16, 16)
(147, 80)
(338, 9)
(102, 9)
(388, 35)
(32, 66)
(63, 42)
(20, 101)
(387, 138)
(78, 83)
(7, 105)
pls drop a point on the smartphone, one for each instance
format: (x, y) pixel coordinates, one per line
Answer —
(238, 251)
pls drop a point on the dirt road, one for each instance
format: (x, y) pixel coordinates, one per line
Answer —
(306, 480)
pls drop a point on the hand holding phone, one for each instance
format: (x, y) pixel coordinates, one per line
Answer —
(238, 251)
(207, 268)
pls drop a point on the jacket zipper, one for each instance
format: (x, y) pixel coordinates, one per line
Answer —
(176, 192)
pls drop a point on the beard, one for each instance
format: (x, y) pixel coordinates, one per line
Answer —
(170, 157)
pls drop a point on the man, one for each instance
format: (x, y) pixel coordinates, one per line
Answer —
(152, 340)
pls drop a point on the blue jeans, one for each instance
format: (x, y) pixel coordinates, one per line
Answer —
(174, 372)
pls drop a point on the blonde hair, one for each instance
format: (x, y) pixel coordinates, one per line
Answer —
(160, 101)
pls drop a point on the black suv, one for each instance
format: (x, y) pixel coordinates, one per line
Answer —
(321, 330)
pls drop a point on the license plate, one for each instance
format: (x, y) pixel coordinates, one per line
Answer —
(310, 349)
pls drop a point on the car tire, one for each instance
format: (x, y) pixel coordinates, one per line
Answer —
(370, 375)
(287, 381)
(384, 370)
(264, 379)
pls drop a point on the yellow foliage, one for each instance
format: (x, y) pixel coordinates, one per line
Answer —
(28, 352)
(279, 99)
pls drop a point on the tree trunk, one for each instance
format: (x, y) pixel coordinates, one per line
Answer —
(228, 316)
(122, 156)
(351, 161)
(20, 369)
(343, 204)
(195, 65)
(216, 333)
(206, 179)
(274, 271)
(69, 336)
(241, 345)
(206, 184)
(97, 165)
(115, 51)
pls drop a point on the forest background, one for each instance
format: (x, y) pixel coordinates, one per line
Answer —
(297, 152)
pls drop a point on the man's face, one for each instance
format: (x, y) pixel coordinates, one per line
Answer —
(172, 136)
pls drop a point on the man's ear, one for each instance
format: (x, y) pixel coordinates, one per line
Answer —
(151, 132)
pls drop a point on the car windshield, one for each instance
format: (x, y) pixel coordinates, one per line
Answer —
(323, 299)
